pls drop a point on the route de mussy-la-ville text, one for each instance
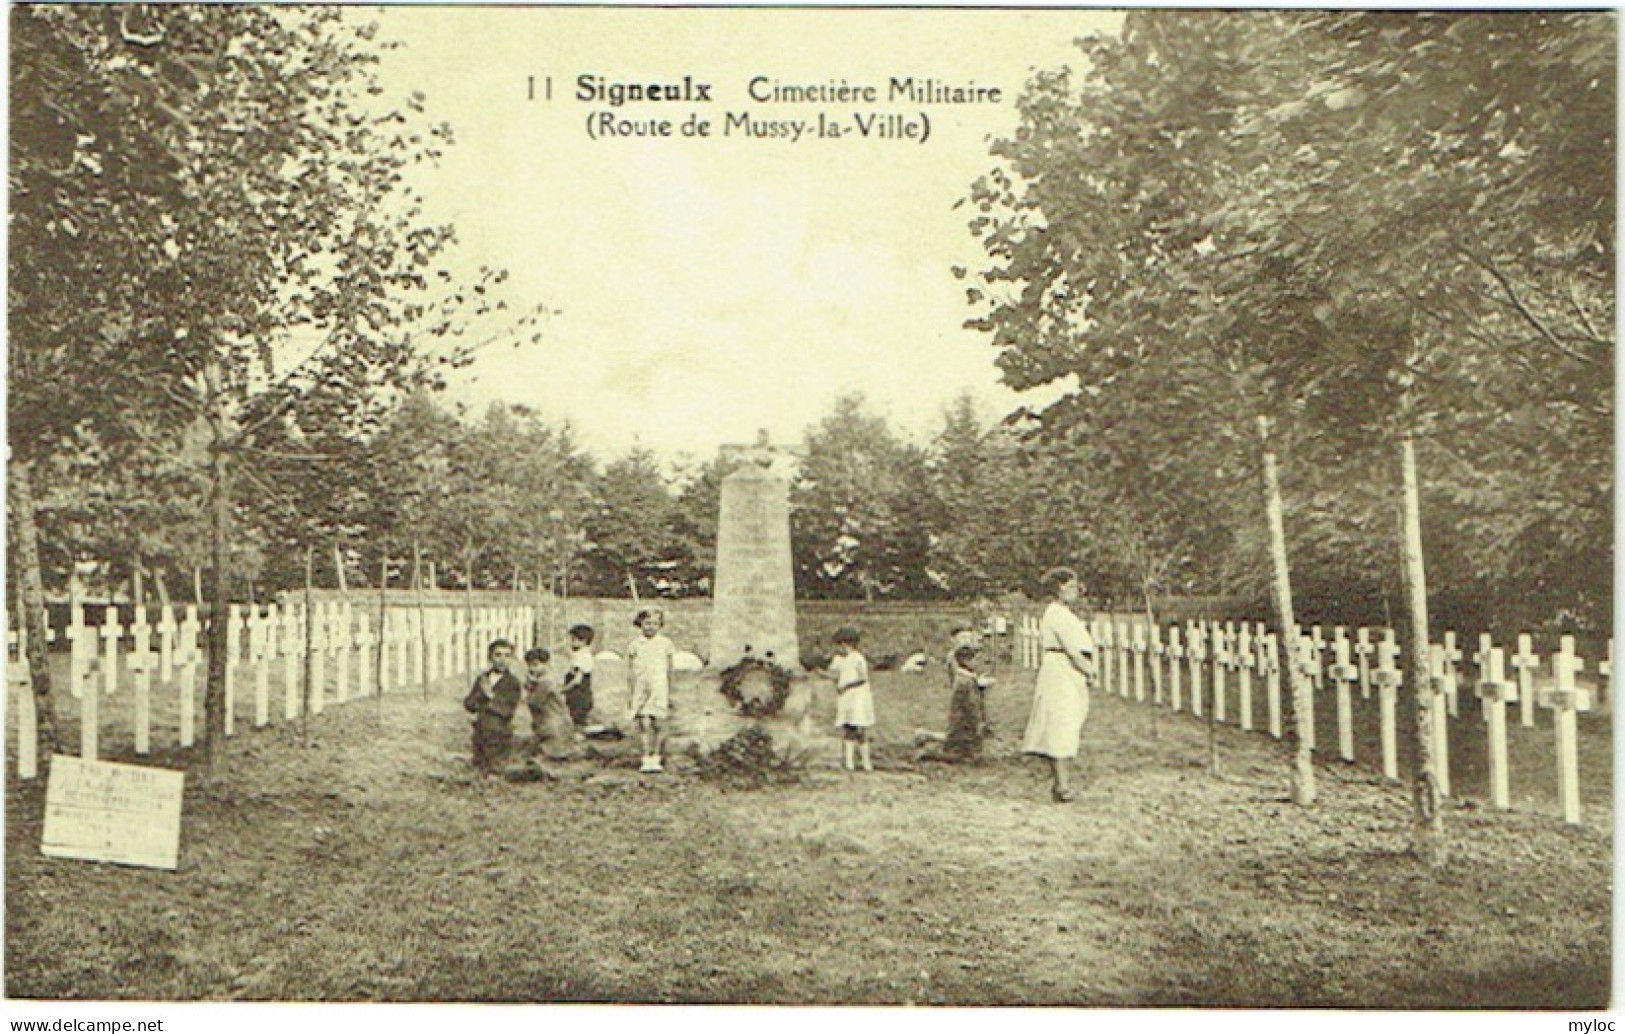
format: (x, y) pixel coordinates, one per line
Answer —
(599, 90)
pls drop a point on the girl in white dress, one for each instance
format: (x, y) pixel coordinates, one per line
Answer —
(649, 664)
(1061, 698)
(854, 703)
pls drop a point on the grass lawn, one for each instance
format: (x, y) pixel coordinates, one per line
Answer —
(370, 864)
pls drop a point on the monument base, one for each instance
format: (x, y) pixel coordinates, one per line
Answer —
(704, 719)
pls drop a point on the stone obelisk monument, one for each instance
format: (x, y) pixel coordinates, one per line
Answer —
(754, 596)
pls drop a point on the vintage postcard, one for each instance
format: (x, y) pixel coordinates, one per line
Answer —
(802, 506)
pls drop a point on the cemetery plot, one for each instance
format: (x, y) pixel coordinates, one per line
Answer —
(149, 703)
(363, 869)
(1559, 760)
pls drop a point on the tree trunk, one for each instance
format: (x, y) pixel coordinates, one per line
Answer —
(338, 568)
(1429, 828)
(383, 613)
(1303, 769)
(1213, 767)
(1156, 668)
(31, 598)
(309, 689)
(423, 631)
(163, 588)
(197, 582)
(468, 605)
(214, 693)
(138, 583)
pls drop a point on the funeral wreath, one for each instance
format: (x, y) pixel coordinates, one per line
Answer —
(733, 683)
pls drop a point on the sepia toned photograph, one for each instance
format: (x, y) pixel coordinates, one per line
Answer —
(802, 507)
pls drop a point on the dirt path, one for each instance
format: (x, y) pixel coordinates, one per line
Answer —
(373, 865)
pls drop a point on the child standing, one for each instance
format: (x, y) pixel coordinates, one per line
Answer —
(854, 703)
(550, 725)
(649, 665)
(578, 680)
(492, 701)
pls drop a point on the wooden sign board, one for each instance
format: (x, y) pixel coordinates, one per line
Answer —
(105, 812)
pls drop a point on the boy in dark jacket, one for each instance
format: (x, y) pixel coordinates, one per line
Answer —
(492, 702)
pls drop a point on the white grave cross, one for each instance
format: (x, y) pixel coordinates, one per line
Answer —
(1106, 640)
(20, 679)
(1246, 661)
(1564, 699)
(1195, 653)
(140, 665)
(1269, 662)
(1452, 657)
(188, 658)
(1388, 679)
(1124, 651)
(1495, 691)
(1176, 654)
(80, 649)
(1344, 673)
(1526, 663)
(1310, 667)
(1363, 649)
(1155, 649)
(1437, 681)
(1223, 661)
(1139, 647)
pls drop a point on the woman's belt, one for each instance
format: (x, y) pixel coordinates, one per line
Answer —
(1054, 649)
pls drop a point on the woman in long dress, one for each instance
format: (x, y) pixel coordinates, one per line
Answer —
(1061, 698)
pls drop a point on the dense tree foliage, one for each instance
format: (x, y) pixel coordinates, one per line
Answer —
(1361, 225)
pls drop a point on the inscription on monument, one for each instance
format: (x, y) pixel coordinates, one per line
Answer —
(754, 597)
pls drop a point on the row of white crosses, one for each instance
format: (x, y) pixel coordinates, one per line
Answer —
(418, 646)
(1028, 649)
(1201, 659)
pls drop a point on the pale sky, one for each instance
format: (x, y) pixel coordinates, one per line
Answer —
(707, 288)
